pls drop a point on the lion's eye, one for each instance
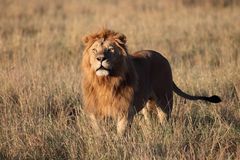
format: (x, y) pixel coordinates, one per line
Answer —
(111, 49)
(94, 50)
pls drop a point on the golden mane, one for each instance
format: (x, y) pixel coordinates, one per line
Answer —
(102, 93)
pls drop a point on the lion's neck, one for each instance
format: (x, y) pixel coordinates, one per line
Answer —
(109, 96)
(113, 83)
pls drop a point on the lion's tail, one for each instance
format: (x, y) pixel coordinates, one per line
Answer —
(212, 99)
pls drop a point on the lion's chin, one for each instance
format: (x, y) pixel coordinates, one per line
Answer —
(102, 72)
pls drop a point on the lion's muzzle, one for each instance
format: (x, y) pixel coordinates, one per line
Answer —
(104, 66)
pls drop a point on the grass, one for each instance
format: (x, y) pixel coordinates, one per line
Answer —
(40, 96)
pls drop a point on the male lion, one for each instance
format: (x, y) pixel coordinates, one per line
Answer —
(118, 85)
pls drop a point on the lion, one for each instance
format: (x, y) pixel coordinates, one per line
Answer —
(117, 84)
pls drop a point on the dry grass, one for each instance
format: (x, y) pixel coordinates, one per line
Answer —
(40, 98)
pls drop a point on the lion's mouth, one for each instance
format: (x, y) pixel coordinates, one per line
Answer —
(101, 68)
(102, 71)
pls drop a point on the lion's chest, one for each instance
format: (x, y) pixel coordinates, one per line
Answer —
(109, 102)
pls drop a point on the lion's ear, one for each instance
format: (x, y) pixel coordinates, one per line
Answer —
(121, 38)
(86, 39)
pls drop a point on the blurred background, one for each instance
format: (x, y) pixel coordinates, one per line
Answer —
(40, 53)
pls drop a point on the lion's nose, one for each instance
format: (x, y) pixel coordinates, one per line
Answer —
(100, 58)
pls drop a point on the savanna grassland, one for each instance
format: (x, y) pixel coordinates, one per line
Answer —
(40, 96)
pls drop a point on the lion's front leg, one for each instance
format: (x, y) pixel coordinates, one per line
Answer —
(95, 124)
(123, 123)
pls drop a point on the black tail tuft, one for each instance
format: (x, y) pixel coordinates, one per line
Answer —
(213, 99)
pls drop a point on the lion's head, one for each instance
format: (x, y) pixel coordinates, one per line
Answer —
(105, 53)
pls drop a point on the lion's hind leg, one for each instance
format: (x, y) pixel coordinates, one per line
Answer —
(147, 110)
(164, 107)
